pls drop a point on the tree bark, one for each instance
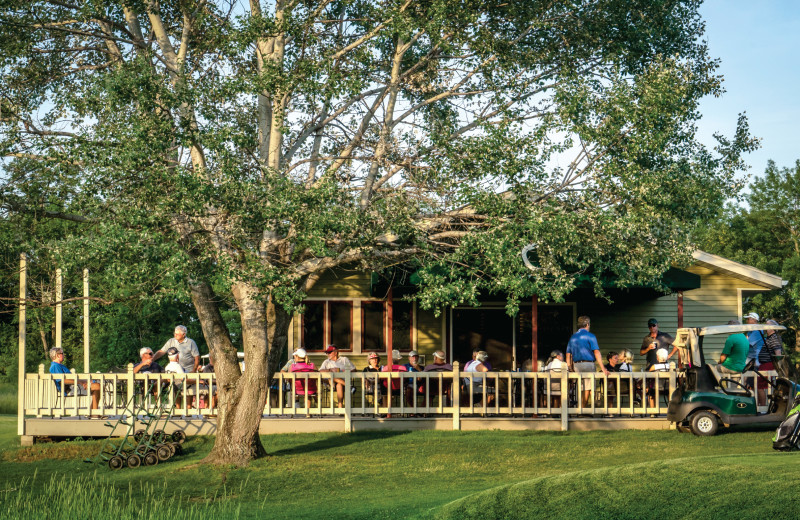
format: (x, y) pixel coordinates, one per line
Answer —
(242, 396)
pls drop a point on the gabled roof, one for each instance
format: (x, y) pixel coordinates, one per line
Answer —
(737, 270)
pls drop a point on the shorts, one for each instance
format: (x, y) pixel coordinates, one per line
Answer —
(585, 367)
(71, 391)
(761, 384)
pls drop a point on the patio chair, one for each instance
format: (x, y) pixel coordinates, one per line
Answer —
(305, 387)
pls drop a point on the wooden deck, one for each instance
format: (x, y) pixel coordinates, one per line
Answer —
(505, 400)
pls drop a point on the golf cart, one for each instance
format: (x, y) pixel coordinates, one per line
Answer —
(704, 399)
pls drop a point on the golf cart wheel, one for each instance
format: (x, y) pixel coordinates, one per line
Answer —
(163, 452)
(134, 460)
(704, 423)
(142, 450)
(116, 462)
(159, 436)
(139, 435)
(683, 428)
(178, 436)
(173, 448)
(151, 459)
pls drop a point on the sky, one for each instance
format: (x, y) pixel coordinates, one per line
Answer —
(759, 44)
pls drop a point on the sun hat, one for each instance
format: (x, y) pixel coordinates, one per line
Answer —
(753, 315)
(301, 352)
(373, 355)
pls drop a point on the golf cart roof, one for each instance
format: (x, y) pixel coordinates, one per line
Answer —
(731, 329)
(240, 355)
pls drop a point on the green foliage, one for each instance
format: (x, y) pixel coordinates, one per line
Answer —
(765, 233)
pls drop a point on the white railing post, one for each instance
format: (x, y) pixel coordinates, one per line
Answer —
(86, 320)
(564, 400)
(23, 295)
(348, 402)
(456, 397)
(130, 384)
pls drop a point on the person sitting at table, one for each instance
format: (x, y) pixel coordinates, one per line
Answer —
(336, 363)
(147, 365)
(440, 364)
(301, 365)
(556, 365)
(412, 382)
(67, 387)
(396, 388)
(373, 365)
(478, 365)
(662, 355)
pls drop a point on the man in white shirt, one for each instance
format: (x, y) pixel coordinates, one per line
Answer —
(189, 355)
(337, 363)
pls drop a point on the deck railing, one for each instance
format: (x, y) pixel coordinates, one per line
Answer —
(440, 394)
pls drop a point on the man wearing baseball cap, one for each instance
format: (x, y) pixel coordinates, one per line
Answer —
(336, 363)
(754, 337)
(655, 340)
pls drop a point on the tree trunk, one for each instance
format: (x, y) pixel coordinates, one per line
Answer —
(242, 396)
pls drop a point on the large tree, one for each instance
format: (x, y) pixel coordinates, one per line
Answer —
(242, 150)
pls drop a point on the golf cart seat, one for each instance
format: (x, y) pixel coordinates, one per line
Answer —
(722, 382)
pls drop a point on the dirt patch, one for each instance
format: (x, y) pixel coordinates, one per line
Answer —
(52, 451)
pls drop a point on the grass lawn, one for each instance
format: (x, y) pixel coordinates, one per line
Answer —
(497, 474)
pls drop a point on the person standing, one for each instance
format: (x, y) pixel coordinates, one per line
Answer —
(655, 340)
(755, 338)
(583, 353)
(189, 355)
(773, 346)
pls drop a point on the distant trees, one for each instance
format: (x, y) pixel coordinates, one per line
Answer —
(764, 232)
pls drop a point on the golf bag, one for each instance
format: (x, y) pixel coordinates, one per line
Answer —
(787, 437)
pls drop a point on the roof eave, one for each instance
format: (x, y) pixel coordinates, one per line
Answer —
(746, 272)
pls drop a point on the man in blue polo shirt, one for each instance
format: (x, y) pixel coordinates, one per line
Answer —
(583, 353)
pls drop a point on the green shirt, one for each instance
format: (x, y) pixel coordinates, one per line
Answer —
(736, 347)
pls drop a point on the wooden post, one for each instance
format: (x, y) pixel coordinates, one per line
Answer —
(456, 397)
(86, 321)
(565, 400)
(59, 297)
(680, 309)
(23, 295)
(535, 333)
(348, 401)
(389, 327)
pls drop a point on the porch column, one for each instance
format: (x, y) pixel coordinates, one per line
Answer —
(680, 309)
(535, 333)
(23, 295)
(389, 326)
(86, 321)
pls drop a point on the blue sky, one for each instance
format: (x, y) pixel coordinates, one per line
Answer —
(759, 44)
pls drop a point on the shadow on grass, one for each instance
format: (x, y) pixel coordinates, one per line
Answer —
(338, 441)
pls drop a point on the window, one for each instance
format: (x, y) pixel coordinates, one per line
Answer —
(402, 323)
(373, 325)
(327, 322)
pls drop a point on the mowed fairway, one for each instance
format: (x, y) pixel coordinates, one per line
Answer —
(497, 474)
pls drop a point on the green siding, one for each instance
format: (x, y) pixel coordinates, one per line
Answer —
(624, 325)
(341, 284)
(429, 333)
